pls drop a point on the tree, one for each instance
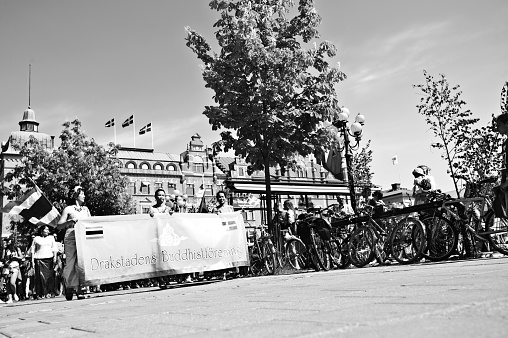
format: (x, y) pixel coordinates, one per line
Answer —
(443, 111)
(77, 161)
(480, 157)
(271, 93)
(360, 166)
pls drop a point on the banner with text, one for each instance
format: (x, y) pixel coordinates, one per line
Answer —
(121, 248)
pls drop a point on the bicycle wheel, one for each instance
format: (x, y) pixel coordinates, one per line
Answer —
(297, 254)
(269, 258)
(441, 238)
(319, 256)
(407, 241)
(256, 261)
(361, 246)
(497, 232)
(339, 253)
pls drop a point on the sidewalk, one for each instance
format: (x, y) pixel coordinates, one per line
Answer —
(455, 298)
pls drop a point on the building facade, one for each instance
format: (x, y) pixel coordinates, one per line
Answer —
(10, 157)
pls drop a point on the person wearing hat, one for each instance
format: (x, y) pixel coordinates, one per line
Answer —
(75, 211)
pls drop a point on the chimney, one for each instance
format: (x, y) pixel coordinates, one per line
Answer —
(52, 142)
(395, 186)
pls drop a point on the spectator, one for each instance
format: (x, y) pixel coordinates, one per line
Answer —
(44, 253)
(14, 277)
(376, 202)
(290, 216)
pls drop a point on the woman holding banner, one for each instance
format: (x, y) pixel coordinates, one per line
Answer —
(70, 216)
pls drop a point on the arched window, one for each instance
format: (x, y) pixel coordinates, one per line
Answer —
(158, 166)
(130, 165)
(198, 164)
(171, 167)
(144, 165)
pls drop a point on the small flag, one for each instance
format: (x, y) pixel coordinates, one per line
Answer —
(395, 160)
(34, 207)
(110, 123)
(128, 122)
(146, 129)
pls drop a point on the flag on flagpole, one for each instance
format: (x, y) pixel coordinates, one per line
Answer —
(110, 123)
(146, 129)
(395, 160)
(34, 207)
(128, 122)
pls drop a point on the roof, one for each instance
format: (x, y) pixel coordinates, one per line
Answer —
(149, 156)
(283, 188)
(21, 137)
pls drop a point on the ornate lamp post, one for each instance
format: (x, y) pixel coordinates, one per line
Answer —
(354, 130)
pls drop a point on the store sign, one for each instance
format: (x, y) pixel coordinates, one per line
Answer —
(121, 248)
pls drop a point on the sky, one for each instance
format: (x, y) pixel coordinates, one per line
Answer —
(103, 59)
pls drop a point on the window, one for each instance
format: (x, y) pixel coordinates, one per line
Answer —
(241, 172)
(145, 188)
(208, 191)
(158, 166)
(198, 164)
(132, 187)
(145, 210)
(171, 167)
(144, 165)
(171, 188)
(158, 185)
(190, 190)
(130, 165)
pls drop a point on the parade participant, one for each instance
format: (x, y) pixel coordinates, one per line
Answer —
(70, 216)
(222, 205)
(44, 251)
(160, 206)
(180, 205)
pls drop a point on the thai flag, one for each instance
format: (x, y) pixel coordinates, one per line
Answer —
(34, 207)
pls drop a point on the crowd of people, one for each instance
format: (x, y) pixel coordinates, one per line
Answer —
(47, 267)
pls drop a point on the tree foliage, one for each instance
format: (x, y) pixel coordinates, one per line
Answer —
(78, 160)
(481, 155)
(361, 164)
(451, 124)
(271, 93)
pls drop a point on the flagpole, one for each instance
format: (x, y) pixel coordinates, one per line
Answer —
(114, 128)
(134, 129)
(152, 134)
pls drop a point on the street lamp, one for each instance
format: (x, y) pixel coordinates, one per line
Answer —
(354, 130)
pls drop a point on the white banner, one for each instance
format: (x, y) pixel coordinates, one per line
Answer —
(121, 248)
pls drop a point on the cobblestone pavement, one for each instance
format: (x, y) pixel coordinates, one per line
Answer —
(454, 298)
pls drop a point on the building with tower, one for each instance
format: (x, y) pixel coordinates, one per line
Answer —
(10, 157)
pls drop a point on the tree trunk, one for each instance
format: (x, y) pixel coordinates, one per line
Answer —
(268, 197)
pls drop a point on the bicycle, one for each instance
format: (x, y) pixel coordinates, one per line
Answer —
(294, 253)
(314, 233)
(340, 235)
(262, 252)
(405, 241)
(470, 218)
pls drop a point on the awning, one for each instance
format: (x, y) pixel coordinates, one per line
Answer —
(288, 188)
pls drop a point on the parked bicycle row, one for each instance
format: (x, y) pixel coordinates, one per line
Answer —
(436, 230)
